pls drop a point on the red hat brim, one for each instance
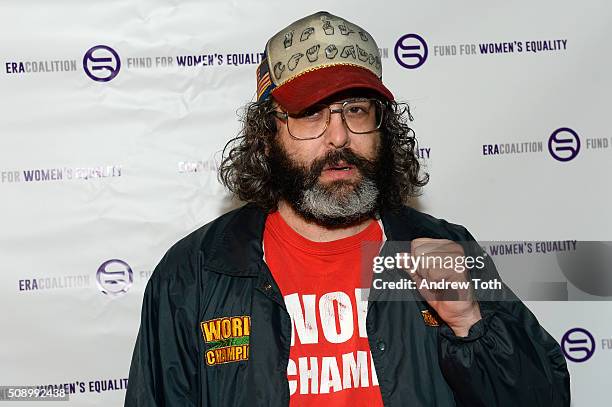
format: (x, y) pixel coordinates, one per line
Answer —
(312, 87)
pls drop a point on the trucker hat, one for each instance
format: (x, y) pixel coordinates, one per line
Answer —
(315, 57)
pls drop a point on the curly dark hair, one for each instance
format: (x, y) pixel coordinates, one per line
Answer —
(245, 170)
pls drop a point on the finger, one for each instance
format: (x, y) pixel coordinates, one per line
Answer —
(427, 245)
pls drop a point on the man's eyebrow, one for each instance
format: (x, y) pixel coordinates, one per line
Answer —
(342, 100)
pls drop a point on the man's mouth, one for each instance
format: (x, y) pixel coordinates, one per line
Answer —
(339, 171)
(341, 166)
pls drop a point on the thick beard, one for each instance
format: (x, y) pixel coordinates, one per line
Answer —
(338, 203)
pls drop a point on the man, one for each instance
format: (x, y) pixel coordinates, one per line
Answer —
(268, 305)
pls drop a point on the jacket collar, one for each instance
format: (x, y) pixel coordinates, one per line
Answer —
(237, 246)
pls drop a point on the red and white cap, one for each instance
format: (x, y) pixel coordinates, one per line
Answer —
(315, 57)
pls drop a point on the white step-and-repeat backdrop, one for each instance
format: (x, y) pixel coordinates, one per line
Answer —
(113, 115)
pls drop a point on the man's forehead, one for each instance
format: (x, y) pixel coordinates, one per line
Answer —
(349, 93)
(343, 95)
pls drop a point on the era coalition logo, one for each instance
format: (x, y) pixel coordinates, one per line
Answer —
(578, 345)
(411, 51)
(114, 277)
(101, 63)
(564, 144)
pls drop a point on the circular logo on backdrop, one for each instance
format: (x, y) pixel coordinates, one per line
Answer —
(114, 277)
(578, 345)
(564, 144)
(101, 63)
(411, 51)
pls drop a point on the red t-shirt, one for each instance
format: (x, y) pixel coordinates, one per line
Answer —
(330, 360)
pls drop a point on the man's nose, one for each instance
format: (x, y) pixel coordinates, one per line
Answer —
(337, 134)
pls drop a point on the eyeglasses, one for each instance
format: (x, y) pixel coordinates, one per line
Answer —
(360, 116)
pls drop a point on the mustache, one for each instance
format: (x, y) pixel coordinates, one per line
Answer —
(333, 158)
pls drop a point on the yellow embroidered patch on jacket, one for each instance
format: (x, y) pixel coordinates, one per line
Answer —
(228, 338)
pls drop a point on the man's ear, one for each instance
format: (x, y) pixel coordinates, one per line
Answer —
(266, 149)
(267, 141)
(275, 125)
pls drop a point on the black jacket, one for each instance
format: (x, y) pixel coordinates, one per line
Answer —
(508, 359)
